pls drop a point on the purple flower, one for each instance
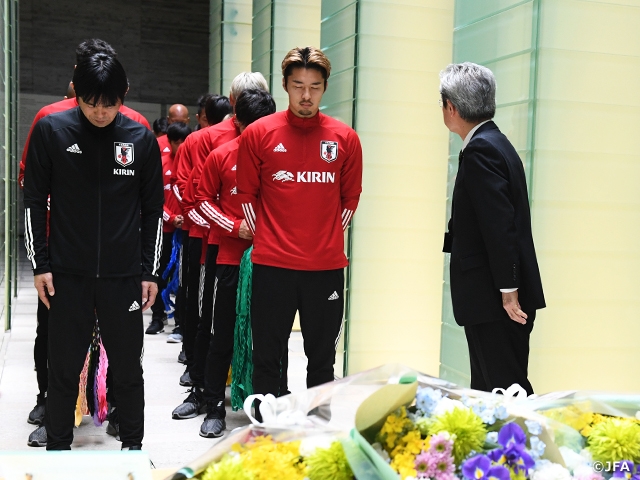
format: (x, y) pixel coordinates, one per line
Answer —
(479, 468)
(623, 469)
(511, 434)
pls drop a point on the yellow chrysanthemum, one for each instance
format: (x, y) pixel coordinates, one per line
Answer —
(468, 428)
(265, 459)
(615, 439)
(329, 464)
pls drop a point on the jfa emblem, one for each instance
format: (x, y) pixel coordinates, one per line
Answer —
(123, 153)
(328, 151)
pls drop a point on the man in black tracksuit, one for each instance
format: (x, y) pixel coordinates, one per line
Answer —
(103, 254)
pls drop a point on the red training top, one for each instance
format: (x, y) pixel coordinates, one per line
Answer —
(171, 207)
(163, 143)
(183, 167)
(218, 180)
(216, 135)
(299, 182)
(61, 106)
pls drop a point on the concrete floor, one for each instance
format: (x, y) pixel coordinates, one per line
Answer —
(170, 443)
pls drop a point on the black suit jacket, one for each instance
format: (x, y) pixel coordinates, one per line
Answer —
(490, 240)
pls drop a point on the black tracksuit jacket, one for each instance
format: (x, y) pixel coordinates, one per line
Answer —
(106, 198)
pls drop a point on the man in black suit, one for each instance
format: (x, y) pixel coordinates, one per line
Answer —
(495, 281)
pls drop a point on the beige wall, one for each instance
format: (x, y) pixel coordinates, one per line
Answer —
(586, 198)
(397, 264)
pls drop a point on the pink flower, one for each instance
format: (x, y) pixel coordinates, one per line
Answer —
(441, 443)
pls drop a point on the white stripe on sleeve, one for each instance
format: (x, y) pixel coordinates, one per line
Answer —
(197, 219)
(224, 222)
(176, 192)
(28, 237)
(157, 250)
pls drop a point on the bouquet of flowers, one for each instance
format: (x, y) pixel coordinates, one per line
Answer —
(480, 438)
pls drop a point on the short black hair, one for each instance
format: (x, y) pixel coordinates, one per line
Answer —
(178, 131)
(92, 46)
(202, 102)
(253, 104)
(160, 125)
(217, 108)
(100, 80)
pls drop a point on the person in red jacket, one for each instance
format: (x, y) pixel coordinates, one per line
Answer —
(212, 137)
(84, 50)
(217, 201)
(177, 113)
(172, 218)
(299, 177)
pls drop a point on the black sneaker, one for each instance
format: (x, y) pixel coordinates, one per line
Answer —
(113, 427)
(185, 380)
(36, 416)
(192, 406)
(156, 326)
(214, 423)
(38, 438)
(182, 358)
(133, 447)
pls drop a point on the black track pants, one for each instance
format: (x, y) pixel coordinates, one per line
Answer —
(74, 307)
(224, 322)
(277, 294)
(189, 322)
(40, 350)
(203, 337)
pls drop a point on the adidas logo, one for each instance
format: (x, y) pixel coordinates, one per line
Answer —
(166, 149)
(234, 191)
(168, 172)
(280, 148)
(234, 168)
(134, 306)
(334, 296)
(74, 148)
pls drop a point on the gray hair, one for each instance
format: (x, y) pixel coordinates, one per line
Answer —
(247, 80)
(471, 88)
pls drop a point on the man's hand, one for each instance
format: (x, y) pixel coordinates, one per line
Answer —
(512, 306)
(244, 232)
(177, 222)
(44, 285)
(149, 293)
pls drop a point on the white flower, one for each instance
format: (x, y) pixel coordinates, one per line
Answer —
(572, 459)
(492, 437)
(551, 471)
(447, 405)
(308, 445)
(381, 451)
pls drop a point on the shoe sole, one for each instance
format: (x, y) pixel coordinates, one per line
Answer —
(185, 384)
(34, 422)
(154, 333)
(200, 411)
(37, 444)
(173, 340)
(211, 434)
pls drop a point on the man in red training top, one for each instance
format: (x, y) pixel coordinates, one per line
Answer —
(177, 113)
(217, 201)
(172, 218)
(299, 179)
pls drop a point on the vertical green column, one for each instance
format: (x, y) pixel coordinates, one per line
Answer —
(386, 56)
(230, 42)
(279, 26)
(9, 123)
(503, 36)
